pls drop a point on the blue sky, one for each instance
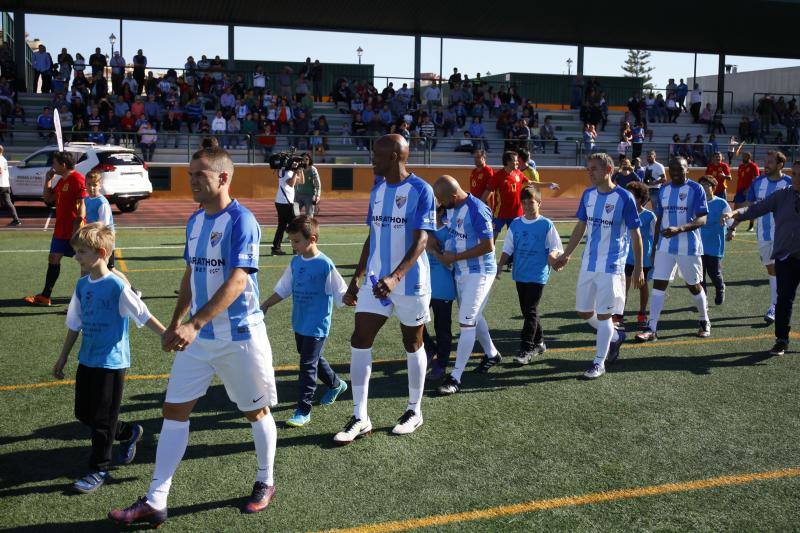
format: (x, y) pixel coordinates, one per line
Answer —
(169, 45)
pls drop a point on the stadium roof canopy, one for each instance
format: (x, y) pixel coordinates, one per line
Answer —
(756, 28)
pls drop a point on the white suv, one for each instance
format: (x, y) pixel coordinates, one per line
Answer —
(125, 176)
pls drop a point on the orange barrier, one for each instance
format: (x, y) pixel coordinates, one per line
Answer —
(259, 181)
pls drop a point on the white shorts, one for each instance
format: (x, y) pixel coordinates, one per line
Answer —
(473, 293)
(410, 310)
(765, 251)
(690, 267)
(245, 368)
(601, 292)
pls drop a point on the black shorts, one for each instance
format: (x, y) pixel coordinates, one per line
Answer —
(629, 271)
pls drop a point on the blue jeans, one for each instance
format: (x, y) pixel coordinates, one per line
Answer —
(311, 361)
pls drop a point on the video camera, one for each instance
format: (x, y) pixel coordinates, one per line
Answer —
(287, 160)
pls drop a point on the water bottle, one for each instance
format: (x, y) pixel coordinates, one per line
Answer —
(386, 302)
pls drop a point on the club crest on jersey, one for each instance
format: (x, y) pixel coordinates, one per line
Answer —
(400, 201)
(216, 236)
(609, 208)
(682, 196)
(459, 221)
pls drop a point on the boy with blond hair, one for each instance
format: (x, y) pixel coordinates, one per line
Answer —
(100, 307)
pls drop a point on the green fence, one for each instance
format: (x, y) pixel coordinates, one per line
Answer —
(555, 89)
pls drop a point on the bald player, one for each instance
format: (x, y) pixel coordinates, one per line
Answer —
(401, 213)
(470, 250)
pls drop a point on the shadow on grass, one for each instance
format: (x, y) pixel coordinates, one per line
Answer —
(103, 524)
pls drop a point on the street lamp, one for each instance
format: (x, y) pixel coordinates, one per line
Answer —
(569, 66)
(359, 51)
(112, 39)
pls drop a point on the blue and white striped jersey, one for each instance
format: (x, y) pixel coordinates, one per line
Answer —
(215, 245)
(395, 212)
(761, 188)
(679, 205)
(467, 224)
(608, 217)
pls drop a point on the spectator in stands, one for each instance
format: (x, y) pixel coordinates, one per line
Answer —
(454, 80)
(78, 130)
(301, 88)
(42, 63)
(96, 136)
(589, 136)
(152, 110)
(44, 124)
(637, 139)
(99, 87)
(171, 126)
(465, 144)
(478, 134)
(65, 63)
(117, 72)
(699, 152)
(433, 97)
(716, 123)
(427, 131)
(285, 83)
(227, 103)
(98, 62)
(622, 149)
(316, 80)
(547, 134)
(680, 95)
(673, 112)
(766, 111)
(127, 125)
(706, 115)
(121, 107)
(321, 125)
(217, 68)
(139, 64)
(358, 128)
(219, 126)
(147, 140)
(193, 111)
(695, 99)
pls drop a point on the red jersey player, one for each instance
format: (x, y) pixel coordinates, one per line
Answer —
(505, 187)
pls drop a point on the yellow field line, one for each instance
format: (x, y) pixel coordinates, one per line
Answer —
(286, 368)
(120, 261)
(571, 501)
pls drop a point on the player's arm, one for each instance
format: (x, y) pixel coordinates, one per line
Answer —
(388, 283)
(350, 296)
(698, 222)
(80, 206)
(638, 258)
(272, 300)
(574, 239)
(61, 362)
(508, 251)
(752, 210)
(182, 307)
(283, 289)
(185, 334)
(484, 246)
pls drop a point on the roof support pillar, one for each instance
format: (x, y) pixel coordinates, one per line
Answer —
(721, 83)
(580, 60)
(417, 62)
(231, 61)
(20, 45)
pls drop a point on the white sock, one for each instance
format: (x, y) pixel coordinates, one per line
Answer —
(701, 302)
(484, 338)
(656, 305)
(466, 341)
(417, 365)
(605, 330)
(360, 370)
(171, 446)
(592, 321)
(773, 290)
(265, 437)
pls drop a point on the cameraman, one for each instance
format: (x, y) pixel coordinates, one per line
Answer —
(284, 203)
(307, 193)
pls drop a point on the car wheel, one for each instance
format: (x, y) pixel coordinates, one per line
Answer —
(127, 207)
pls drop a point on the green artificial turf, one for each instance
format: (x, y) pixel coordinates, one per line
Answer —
(678, 410)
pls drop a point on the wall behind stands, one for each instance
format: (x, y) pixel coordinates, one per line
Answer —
(330, 72)
(350, 181)
(554, 90)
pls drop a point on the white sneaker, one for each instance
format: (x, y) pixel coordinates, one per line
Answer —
(595, 371)
(354, 428)
(408, 423)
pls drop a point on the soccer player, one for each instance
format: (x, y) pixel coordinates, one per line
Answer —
(713, 235)
(480, 175)
(748, 171)
(681, 212)
(401, 213)
(314, 284)
(470, 249)
(654, 177)
(225, 335)
(609, 212)
(104, 355)
(534, 241)
(772, 180)
(641, 194)
(721, 172)
(504, 188)
(67, 193)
